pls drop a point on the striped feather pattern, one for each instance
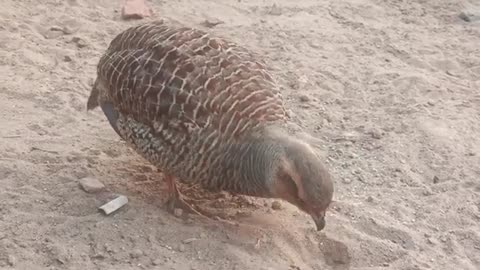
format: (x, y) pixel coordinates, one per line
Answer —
(189, 102)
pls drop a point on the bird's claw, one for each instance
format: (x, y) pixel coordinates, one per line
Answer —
(177, 202)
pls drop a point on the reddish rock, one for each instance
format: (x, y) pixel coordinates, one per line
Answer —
(135, 9)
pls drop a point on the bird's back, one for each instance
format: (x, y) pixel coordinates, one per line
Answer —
(185, 97)
(159, 73)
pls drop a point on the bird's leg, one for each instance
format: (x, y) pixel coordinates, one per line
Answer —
(177, 200)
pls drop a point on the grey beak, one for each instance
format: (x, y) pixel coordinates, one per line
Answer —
(319, 222)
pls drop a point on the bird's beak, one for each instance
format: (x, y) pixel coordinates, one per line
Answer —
(319, 221)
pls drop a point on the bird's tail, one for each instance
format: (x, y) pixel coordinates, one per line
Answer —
(92, 102)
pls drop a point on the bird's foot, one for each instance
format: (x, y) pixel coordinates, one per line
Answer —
(180, 202)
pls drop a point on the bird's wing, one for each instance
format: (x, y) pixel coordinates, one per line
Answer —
(188, 80)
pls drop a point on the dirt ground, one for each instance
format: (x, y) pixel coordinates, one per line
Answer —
(391, 90)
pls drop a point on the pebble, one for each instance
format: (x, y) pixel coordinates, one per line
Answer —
(81, 43)
(427, 192)
(135, 9)
(276, 205)
(347, 180)
(361, 179)
(443, 238)
(52, 33)
(157, 262)
(109, 249)
(290, 113)
(376, 134)
(98, 256)
(181, 248)
(91, 185)
(436, 180)
(304, 98)
(70, 27)
(11, 260)
(177, 212)
(430, 241)
(67, 58)
(189, 240)
(136, 253)
(470, 16)
(211, 23)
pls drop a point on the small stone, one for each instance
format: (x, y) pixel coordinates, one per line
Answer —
(376, 134)
(136, 253)
(177, 212)
(52, 34)
(181, 248)
(370, 199)
(157, 262)
(109, 249)
(11, 260)
(67, 58)
(203, 235)
(304, 98)
(427, 192)
(189, 240)
(98, 256)
(91, 185)
(430, 241)
(436, 180)
(211, 23)
(347, 180)
(56, 28)
(470, 16)
(290, 113)
(276, 205)
(81, 43)
(360, 178)
(135, 9)
(443, 238)
(70, 27)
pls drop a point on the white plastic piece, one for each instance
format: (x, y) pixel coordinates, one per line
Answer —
(114, 205)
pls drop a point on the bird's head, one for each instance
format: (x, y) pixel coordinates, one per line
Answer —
(302, 179)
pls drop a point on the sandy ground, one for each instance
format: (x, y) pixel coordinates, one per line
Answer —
(390, 89)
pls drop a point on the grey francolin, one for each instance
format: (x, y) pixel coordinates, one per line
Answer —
(206, 111)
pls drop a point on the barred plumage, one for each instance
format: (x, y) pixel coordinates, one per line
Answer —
(205, 111)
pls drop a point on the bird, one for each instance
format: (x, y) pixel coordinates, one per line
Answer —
(206, 111)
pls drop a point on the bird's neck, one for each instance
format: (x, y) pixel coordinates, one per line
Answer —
(249, 167)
